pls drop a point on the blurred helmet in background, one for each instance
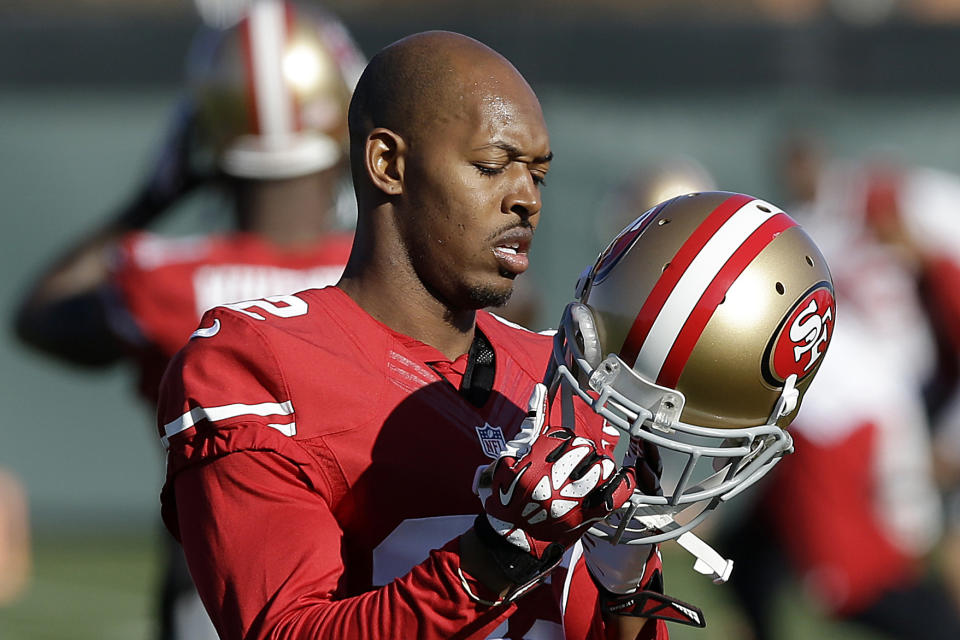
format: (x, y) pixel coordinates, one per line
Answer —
(650, 185)
(272, 90)
(699, 329)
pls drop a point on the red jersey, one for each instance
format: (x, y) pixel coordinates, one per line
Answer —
(320, 470)
(162, 286)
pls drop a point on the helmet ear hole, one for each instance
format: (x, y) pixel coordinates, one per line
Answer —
(586, 333)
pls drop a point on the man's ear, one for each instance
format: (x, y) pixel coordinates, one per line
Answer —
(383, 158)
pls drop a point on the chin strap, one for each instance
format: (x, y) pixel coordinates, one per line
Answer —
(709, 562)
(787, 402)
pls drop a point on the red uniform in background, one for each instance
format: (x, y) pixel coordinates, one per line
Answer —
(314, 455)
(163, 286)
(855, 510)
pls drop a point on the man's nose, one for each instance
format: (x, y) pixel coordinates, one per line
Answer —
(524, 199)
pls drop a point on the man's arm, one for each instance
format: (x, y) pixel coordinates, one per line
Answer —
(252, 505)
(265, 552)
(63, 312)
(253, 508)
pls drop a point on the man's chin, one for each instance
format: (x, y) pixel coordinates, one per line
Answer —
(489, 296)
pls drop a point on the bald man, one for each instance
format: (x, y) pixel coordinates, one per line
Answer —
(325, 447)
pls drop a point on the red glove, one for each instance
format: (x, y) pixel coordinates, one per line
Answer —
(543, 492)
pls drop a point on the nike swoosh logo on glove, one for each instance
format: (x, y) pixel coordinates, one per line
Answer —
(505, 497)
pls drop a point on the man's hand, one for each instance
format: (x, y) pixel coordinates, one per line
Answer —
(543, 491)
(618, 568)
(630, 576)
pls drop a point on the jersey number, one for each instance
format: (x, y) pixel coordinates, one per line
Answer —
(289, 307)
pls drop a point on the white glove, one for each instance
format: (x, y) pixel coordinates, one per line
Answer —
(619, 568)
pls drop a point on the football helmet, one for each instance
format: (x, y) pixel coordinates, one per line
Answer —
(272, 90)
(699, 328)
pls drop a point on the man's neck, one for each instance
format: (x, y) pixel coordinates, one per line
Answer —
(407, 307)
(289, 213)
(381, 278)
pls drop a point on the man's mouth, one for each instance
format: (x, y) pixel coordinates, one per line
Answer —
(511, 249)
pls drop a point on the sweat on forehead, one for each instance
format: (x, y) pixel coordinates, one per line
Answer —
(416, 81)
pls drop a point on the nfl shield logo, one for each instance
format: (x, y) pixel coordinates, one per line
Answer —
(491, 440)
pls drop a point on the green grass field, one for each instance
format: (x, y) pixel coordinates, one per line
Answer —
(101, 588)
(86, 588)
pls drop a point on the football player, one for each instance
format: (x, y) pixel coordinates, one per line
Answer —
(325, 447)
(263, 121)
(647, 186)
(855, 511)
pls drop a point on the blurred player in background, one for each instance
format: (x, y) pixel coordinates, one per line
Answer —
(912, 210)
(263, 121)
(855, 510)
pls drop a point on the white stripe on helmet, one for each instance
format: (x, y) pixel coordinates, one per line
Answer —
(695, 280)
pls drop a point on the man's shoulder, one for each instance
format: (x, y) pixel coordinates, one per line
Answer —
(146, 251)
(312, 316)
(291, 351)
(308, 339)
(154, 272)
(528, 348)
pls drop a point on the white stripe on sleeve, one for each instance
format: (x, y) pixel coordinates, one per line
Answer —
(225, 412)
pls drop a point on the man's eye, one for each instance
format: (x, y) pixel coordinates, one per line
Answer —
(539, 179)
(487, 170)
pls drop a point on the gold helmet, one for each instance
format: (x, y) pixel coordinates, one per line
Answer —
(272, 90)
(698, 329)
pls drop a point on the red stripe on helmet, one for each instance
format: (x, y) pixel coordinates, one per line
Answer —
(674, 271)
(253, 113)
(697, 321)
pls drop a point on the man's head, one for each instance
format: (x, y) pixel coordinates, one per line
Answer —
(448, 150)
(801, 157)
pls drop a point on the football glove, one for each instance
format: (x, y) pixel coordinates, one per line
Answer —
(618, 568)
(543, 492)
(630, 576)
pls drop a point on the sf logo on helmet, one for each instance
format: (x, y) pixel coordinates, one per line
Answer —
(803, 336)
(810, 330)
